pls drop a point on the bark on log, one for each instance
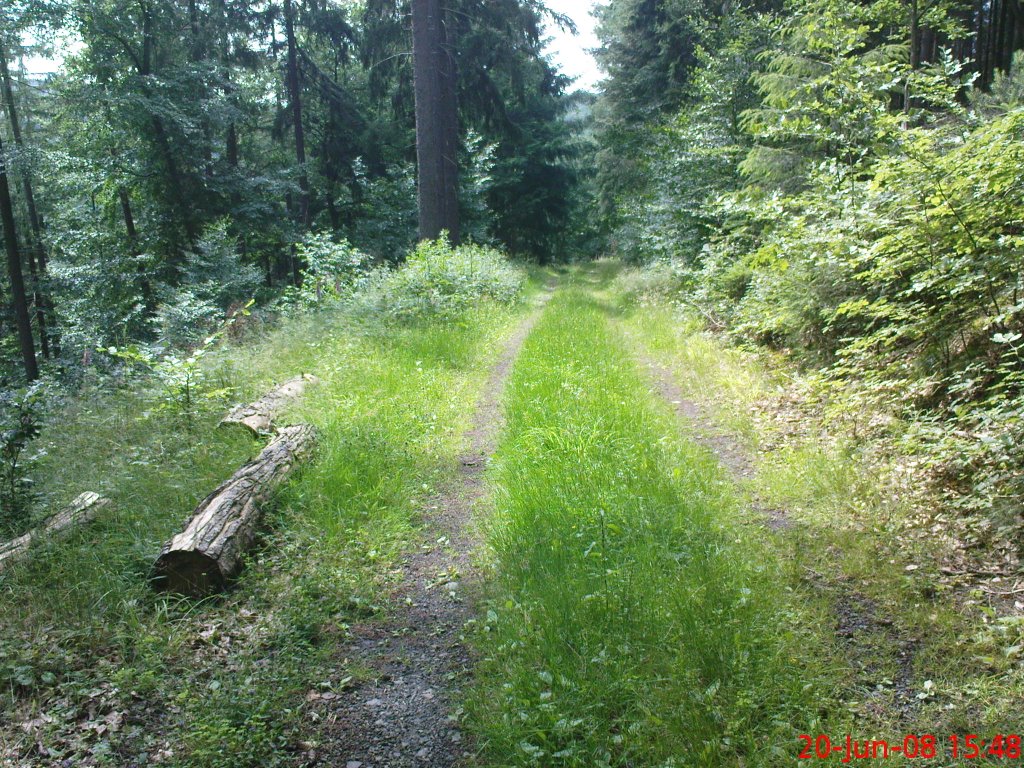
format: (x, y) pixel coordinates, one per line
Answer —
(80, 511)
(258, 417)
(203, 557)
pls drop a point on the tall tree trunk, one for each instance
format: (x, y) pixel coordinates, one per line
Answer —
(198, 55)
(915, 35)
(145, 285)
(436, 123)
(973, 41)
(39, 302)
(231, 141)
(295, 103)
(989, 60)
(37, 250)
(18, 298)
(1018, 26)
(450, 133)
(1005, 58)
(232, 146)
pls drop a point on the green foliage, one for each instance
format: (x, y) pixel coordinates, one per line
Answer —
(222, 741)
(214, 278)
(907, 284)
(853, 211)
(657, 280)
(385, 214)
(648, 48)
(825, 97)
(215, 270)
(438, 280)
(1006, 92)
(695, 157)
(20, 423)
(852, 519)
(119, 673)
(331, 271)
(184, 380)
(169, 182)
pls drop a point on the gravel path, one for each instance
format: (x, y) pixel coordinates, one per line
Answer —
(408, 715)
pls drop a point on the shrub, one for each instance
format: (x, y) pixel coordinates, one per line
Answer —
(216, 277)
(438, 279)
(184, 381)
(20, 416)
(186, 318)
(663, 279)
(332, 270)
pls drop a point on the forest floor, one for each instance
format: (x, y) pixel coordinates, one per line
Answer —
(577, 532)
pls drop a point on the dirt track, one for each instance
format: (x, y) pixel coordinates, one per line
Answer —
(409, 714)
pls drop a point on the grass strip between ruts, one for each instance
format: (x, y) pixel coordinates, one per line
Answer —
(629, 622)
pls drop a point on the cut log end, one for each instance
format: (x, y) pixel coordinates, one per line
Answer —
(258, 417)
(189, 573)
(210, 550)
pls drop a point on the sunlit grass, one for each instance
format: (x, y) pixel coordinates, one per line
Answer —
(629, 623)
(849, 536)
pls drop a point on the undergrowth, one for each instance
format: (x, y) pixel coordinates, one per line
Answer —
(440, 280)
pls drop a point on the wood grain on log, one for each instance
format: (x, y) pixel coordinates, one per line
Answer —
(82, 510)
(258, 417)
(209, 551)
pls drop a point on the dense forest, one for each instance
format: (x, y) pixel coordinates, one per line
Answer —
(842, 181)
(183, 153)
(666, 423)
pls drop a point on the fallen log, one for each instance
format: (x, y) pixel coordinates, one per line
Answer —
(80, 511)
(258, 417)
(209, 551)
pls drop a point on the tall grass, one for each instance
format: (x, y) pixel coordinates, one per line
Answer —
(629, 622)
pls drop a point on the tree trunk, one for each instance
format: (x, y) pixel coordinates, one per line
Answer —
(915, 36)
(1005, 58)
(198, 53)
(209, 552)
(436, 123)
(40, 303)
(37, 251)
(82, 510)
(231, 140)
(145, 285)
(295, 103)
(258, 417)
(232, 146)
(450, 134)
(18, 298)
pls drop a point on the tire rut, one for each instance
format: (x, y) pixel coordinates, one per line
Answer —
(408, 715)
(860, 627)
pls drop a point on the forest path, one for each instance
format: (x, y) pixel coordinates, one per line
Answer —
(409, 713)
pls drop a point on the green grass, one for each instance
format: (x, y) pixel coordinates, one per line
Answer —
(854, 532)
(225, 682)
(630, 621)
(634, 614)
